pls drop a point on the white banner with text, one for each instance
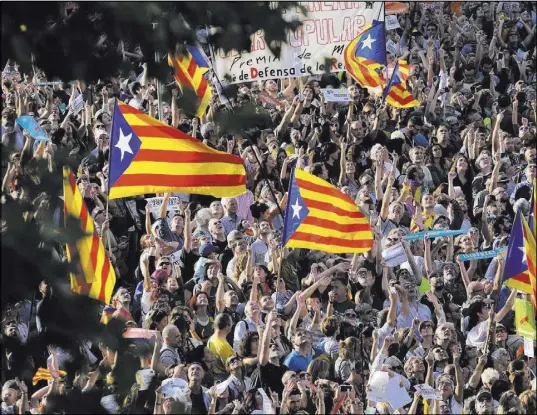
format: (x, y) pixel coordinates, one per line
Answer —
(326, 29)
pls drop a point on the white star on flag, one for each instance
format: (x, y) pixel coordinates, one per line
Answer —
(368, 42)
(123, 143)
(523, 249)
(296, 209)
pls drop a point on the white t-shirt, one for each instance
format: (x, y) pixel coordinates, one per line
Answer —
(146, 303)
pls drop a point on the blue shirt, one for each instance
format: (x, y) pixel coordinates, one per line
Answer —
(296, 362)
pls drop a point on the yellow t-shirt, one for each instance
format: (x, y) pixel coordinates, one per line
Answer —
(222, 350)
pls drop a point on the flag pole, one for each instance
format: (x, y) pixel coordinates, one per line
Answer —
(108, 181)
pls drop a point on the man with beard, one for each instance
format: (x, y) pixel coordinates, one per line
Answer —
(484, 404)
(301, 356)
(428, 215)
(417, 157)
(271, 370)
(453, 282)
(391, 212)
(260, 246)
(436, 282)
(410, 307)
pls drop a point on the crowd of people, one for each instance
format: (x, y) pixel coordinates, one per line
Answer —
(222, 333)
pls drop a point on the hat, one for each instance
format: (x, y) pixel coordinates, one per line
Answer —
(483, 394)
(397, 134)
(160, 276)
(207, 249)
(475, 286)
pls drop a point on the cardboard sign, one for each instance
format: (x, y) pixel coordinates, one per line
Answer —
(392, 22)
(529, 348)
(155, 203)
(30, 125)
(391, 46)
(428, 392)
(394, 255)
(524, 319)
(336, 95)
(395, 7)
(326, 29)
(77, 105)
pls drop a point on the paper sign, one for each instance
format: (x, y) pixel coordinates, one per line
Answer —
(109, 403)
(394, 255)
(392, 22)
(377, 386)
(156, 202)
(267, 403)
(144, 377)
(396, 395)
(77, 105)
(30, 125)
(391, 46)
(135, 333)
(529, 348)
(326, 29)
(428, 392)
(524, 319)
(336, 95)
(222, 386)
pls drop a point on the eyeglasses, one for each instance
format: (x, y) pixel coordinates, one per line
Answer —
(99, 126)
(427, 325)
(501, 330)
(217, 223)
(484, 397)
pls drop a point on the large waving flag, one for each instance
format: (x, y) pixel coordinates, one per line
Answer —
(396, 93)
(366, 54)
(318, 216)
(515, 274)
(190, 69)
(148, 156)
(95, 277)
(529, 248)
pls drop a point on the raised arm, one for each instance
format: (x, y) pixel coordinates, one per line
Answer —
(220, 305)
(264, 350)
(164, 207)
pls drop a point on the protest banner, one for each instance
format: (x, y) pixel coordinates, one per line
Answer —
(326, 29)
(433, 234)
(336, 95)
(524, 319)
(395, 7)
(155, 203)
(481, 255)
(392, 22)
(394, 255)
(78, 104)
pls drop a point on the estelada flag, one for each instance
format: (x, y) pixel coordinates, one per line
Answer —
(148, 156)
(515, 274)
(365, 55)
(320, 217)
(95, 276)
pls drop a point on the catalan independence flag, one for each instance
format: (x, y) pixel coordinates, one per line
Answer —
(44, 374)
(189, 71)
(366, 54)
(148, 156)
(319, 217)
(95, 277)
(396, 93)
(515, 274)
(529, 249)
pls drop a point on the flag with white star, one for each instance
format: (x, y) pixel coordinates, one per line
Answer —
(320, 217)
(148, 156)
(515, 274)
(366, 54)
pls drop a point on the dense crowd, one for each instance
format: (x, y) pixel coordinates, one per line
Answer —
(223, 333)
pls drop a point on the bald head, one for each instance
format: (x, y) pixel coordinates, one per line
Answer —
(171, 335)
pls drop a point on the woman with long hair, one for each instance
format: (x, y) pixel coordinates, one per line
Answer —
(203, 323)
(463, 175)
(349, 353)
(436, 165)
(347, 175)
(248, 351)
(319, 368)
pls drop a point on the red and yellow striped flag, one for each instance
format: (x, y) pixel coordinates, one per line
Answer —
(399, 97)
(44, 374)
(529, 249)
(96, 276)
(320, 217)
(148, 156)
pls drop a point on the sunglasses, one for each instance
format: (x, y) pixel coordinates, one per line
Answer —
(164, 263)
(99, 126)
(427, 325)
(484, 397)
(234, 360)
(501, 330)
(350, 315)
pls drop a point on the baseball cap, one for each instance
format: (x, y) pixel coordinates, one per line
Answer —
(397, 134)
(483, 395)
(207, 249)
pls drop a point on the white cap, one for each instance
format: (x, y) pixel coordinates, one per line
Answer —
(397, 134)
